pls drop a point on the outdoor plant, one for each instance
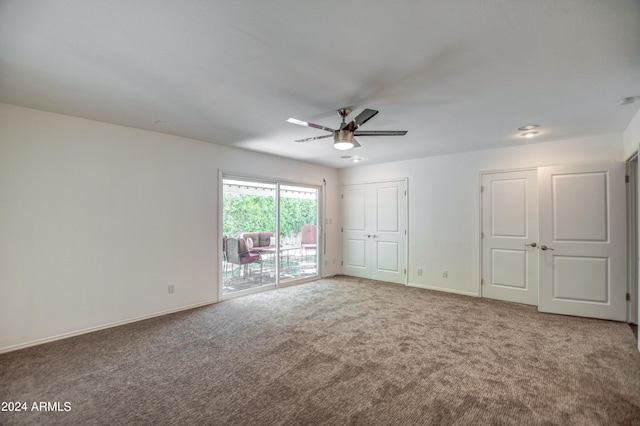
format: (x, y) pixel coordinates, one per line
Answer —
(256, 213)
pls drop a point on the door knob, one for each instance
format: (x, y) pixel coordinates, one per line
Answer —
(531, 245)
(367, 235)
(545, 248)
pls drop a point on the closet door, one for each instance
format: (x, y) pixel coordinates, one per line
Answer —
(388, 233)
(356, 249)
(375, 234)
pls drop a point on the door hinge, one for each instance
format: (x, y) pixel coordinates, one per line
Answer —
(626, 178)
(341, 229)
(342, 196)
(628, 296)
(482, 235)
(341, 263)
(405, 272)
(405, 232)
(481, 281)
(481, 188)
(405, 192)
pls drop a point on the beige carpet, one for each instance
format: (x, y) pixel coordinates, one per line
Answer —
(336, 351)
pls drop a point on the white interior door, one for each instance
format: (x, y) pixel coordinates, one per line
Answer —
(375, 231)
(510, 236)
(356, 226)
(583, 240)
(388, 236)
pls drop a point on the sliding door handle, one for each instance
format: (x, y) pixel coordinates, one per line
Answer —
(531, 245)
(545, 248)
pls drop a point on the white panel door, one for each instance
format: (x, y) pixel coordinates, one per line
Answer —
(510, 236)
(374, 227)
(583, 240)
(356, 228)
(388, 234)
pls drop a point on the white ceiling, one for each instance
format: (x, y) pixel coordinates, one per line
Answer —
(458, 75)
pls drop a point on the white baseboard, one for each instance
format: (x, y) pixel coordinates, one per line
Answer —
(100, 327)
(444, 289)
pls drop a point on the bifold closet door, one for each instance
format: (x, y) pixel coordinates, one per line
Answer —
(374, 231)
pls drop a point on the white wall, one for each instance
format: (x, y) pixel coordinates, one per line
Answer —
(96, 220)
(444, 201)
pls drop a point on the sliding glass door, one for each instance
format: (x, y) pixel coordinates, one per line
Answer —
(298, 232)
(249, 230)
(270, 234)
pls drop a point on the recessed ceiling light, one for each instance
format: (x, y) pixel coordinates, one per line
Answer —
(161, 122)
(529, 134)
(356, 159)
(346, 157)
(527, 127)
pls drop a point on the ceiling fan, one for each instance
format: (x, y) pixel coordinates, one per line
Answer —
(343, 138)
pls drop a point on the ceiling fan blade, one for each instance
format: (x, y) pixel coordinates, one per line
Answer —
(380, 133)
(364, 116)
(313, 138)
(307, 124)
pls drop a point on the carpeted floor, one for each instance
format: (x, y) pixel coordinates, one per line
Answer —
(336, 351)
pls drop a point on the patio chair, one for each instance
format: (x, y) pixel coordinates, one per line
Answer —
(237, 254)
(308, 237)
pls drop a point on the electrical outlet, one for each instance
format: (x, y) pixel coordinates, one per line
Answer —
(419, 272)
(445, 274)
(171, 289)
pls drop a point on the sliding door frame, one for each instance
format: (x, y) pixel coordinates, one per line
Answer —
(222, 174)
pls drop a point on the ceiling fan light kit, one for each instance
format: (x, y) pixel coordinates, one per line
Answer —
(343, 138)
(343, 145)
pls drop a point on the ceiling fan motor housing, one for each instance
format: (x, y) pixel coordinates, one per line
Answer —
(343, 136)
